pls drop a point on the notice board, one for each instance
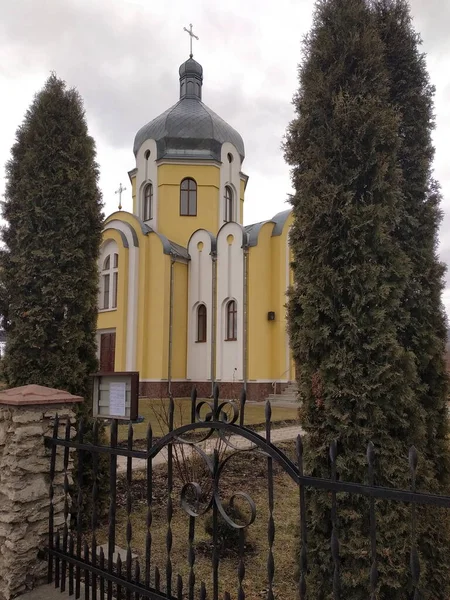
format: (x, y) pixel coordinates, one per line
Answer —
(116, 395)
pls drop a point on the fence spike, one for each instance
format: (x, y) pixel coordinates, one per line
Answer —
(243, 400)
(171, 412)
(373, 526)
(413, 460)
(333, 451)
(216, 395)
(268, 416)
(203, 591)
(179, 587)
(193, 404)
(414, 557)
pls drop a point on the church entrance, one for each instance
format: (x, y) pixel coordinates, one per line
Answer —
(107, 352)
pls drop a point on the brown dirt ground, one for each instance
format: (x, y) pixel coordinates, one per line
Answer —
(247, 472)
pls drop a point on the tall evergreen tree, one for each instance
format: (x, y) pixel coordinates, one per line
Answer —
(347, 309)
(411, 94)
(49, 273)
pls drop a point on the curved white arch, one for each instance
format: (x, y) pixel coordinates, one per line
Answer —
(133, 289)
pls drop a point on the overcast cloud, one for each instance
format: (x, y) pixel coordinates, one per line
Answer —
(123, 56)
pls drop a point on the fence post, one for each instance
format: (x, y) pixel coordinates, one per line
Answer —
(27, 414)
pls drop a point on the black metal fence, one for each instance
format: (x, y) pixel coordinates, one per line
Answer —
(79, 564)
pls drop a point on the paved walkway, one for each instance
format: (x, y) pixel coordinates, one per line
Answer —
(283, 434)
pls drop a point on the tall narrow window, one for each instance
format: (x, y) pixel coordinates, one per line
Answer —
(231, 320)
(148, 202)
(228, 204)
(188, 198)
(109, 282)
(201, 323)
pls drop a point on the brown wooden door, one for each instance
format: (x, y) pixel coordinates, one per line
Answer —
(107, 352)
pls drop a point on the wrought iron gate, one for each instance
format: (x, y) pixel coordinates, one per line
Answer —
(77, 563)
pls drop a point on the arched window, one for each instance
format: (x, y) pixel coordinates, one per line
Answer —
(188, 198)
(148, 202)
(231, 320)
(109, 282)
(201, 323)
(228, 204)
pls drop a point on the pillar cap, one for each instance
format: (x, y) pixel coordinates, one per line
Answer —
(36, 395)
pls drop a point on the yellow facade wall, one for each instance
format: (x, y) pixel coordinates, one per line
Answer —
(281, 278)
(260, 329)
(180, 321)
(269, 275)
(155, 323)
(117, 318)
(180, 228)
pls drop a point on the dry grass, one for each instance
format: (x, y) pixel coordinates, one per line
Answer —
(151, 410)
(245, 472)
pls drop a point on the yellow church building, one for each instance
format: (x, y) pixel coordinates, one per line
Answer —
(188, 294)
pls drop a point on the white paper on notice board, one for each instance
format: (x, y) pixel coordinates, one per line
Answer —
(117, 397)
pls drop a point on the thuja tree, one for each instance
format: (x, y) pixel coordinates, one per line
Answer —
(425, 334)
(52, 237)
(48, 265)
(357, 380)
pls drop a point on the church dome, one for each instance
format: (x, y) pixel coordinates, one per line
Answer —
(189, 129)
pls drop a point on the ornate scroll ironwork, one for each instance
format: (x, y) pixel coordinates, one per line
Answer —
(213, 423)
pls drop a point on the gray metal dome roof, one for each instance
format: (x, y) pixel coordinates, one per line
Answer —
(189, 129)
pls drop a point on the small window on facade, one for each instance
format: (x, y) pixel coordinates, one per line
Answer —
(148, 202)
(109, 282)
(188, 198)
(228, 204)
(230, 157)
(231, 320)
(201, 323)
(147, 154)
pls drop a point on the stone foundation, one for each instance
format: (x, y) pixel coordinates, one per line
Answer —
(256, 392)
(27, 414)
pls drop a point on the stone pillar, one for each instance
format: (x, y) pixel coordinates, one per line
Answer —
(27, 414)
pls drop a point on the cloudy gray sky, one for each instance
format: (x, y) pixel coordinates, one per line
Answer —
(123, 56)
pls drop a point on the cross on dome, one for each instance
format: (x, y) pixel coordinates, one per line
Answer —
(192, 35)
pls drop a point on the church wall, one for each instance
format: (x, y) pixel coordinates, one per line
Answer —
(179, 228)
(145, 291)
(155, 326)
(131, 235)
(180, 321)
(281, 273)
(229, 175)
(116, 319)
(242, 194)
(230, 277)
(200, 292)
(260, 302)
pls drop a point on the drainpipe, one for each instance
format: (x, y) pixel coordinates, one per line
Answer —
(169, 366)
(245, 345)
(213, 320)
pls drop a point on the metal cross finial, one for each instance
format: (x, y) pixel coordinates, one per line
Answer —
(119, 191)
(192, 34)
